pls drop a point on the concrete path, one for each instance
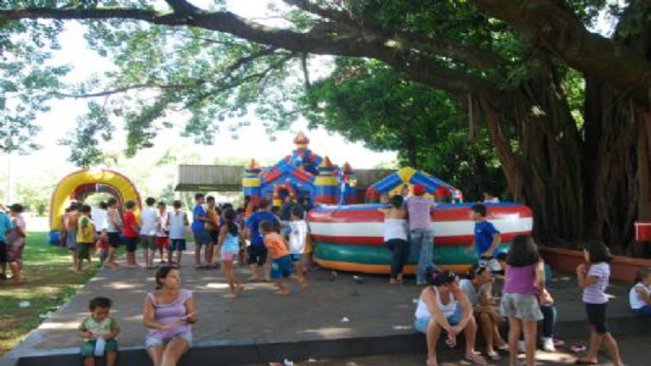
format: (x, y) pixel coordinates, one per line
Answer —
(333, 308)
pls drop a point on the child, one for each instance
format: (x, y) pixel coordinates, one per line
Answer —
(256, 251)
(113, 227)
(213, 213)
(85, 237)
(593, 279)
(162, 233)
(148, 232)
(395, 236)
(178, 224)
(70, 221)
(102, 248)
(297, 239)
(229, 242)
(130, 234)
(640, 294)
(524, 282)
(487, 238)
(201, 235)
(281, 263)
(99, 331)
(420, 231)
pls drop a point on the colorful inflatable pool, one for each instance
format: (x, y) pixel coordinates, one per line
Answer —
(350, 238)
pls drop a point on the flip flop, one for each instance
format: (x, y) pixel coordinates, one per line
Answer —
(578, 348)
(494, 356)
(476, 359)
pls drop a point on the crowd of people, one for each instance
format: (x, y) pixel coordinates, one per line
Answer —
(274, 243)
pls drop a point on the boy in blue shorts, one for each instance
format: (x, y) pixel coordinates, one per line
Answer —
(487, 238)
(281, 262)
(99, 331)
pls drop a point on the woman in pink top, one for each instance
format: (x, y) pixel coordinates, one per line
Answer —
(168, 314)
(525, 281)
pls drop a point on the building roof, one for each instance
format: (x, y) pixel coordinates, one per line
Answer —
(228, 178)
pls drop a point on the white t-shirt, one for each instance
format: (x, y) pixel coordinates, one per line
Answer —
(100, 218)
(297, 236)
(148, 219)
(177, 223)
(469, 289)
(161, 224)
(634, 297)
(596, 293)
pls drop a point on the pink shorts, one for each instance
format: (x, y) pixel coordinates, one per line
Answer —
(230, 255)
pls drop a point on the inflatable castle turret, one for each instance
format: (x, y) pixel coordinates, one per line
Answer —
(326, 183)
(251, 181)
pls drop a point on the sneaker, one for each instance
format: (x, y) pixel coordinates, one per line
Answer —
(521, 347)
(548, 345)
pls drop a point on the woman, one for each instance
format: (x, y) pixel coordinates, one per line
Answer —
(395, 236)
(478, 289)
(523, 285)
(16, 245)
(444, 306)
(168, 314)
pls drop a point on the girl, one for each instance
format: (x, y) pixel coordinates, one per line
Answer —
(444, 306)
(229, 242)
(593, 279)
(478, 289)
(640, 294)
(524, 282)
(15, 250)
(395, 236)
(168, 314)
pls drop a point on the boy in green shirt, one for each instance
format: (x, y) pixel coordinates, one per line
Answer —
(99, 331)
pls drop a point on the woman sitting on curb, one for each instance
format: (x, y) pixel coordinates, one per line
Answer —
(444, 306)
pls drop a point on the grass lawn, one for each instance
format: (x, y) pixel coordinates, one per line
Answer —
(50, 283)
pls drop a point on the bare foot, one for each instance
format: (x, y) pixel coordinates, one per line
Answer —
(432, 362)
(282, 292)
(230, 295)
(239, 289)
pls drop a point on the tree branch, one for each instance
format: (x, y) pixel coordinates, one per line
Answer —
(559, 31)
(419, 67)
(124, 89)
(182, 7)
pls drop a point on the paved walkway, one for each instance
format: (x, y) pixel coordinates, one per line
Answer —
(332, 308)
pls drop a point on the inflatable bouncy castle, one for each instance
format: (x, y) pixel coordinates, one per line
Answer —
(300, 174)
(349, 236)
(82, 183)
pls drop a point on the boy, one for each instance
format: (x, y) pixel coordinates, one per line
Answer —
(212, 226)
(99, 331)
(70, 223)
(281, 263)
(85, 237)
(487, 238)
(201, 236)
(256, 252)
(297, 239)
(162, 233)
(113, 227)
(130, 234)
(148, 232)
(177, 224)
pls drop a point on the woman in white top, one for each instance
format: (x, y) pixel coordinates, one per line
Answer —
(444, 306)
(395, 236)
(640, 294)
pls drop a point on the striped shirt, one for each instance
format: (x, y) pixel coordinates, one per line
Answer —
(596, 293)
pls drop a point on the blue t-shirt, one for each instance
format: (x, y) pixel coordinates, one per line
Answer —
(484, 232)
(198, 226)
(253, 224)
(5, 224)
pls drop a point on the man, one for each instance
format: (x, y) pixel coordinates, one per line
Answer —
(201, 236)
(257, 252)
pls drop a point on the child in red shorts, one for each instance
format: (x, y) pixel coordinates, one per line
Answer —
(162, 234)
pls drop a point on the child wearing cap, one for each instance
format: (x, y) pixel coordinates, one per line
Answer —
(420, 231)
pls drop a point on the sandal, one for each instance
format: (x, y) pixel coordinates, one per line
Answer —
(476, 359)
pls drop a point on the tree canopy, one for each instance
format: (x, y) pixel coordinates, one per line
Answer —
(566, 109)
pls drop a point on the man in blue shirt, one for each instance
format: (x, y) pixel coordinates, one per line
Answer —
(487, 237)
(201, 235)
(5, 224)
(257, 252)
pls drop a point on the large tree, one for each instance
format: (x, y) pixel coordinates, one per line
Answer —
(585, 175)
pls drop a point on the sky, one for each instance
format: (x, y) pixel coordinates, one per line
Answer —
(253, 142)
